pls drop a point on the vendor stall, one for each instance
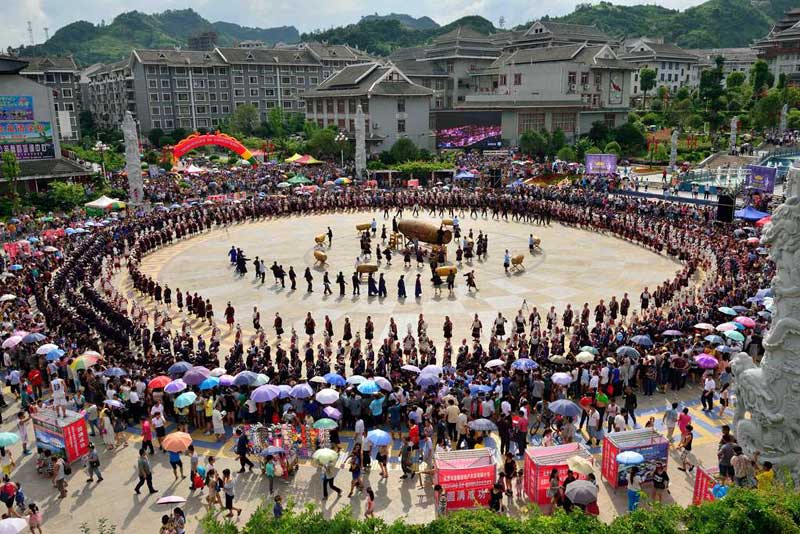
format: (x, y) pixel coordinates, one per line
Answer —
(704, 483)
(466, 476)
(650, 444)
(66, 437)
(540, 462)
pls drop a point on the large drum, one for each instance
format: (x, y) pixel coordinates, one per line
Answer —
(446, 270)
(362, 227)
(321, 257)
(320, 239)
(366, 268)
(424, 231)
(516, 261)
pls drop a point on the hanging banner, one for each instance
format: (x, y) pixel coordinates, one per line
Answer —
(761, 178)
(27, 139)
(601, 163)
(16, 108)
(465, 487)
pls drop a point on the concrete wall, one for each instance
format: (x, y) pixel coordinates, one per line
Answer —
(43, 108)
(384, 116)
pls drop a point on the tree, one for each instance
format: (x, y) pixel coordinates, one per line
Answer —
(760, 77)
(323, 144)
(66, 195)
(781, 80)
(734, 80)
(630, 137)
(556, 142)
(647, 81)
(793, 119)
(154, 136)
(245, 119)
(533, 144)
(178, 134)
(86, 123)
(599, 133)
(276, 121)
(613, 148)
(566, 153)
(11, 172)
(404, 150)
(766, 112)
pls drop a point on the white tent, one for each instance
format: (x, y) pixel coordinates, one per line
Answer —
(193, 169)
(101, 203)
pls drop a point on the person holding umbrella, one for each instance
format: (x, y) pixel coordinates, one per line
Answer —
(634, 488)
(328, 475)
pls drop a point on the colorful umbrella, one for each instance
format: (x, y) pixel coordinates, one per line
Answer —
(171, 499)
(178, 368)
(265, 393)
(368, 387)
(325, 424)
(176, 386)
(734, 335)
(115, 371)
(725, 327)
(209, 383)
(726, 310)
(301, 391)
(185, 399)
(706, 361)
(747, 322)
(177, 442)
(332, 412)
(325, 456)
(379, 437)
(83, 362)
(714, 339)
(159, 382)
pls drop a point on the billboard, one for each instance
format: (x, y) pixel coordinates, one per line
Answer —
(761, 178)
(27, 139)
(16, 108)
(468, 129)
(601, 163)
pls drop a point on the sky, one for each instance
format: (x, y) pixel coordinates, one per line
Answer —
(305, 15)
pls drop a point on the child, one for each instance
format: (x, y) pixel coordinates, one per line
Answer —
(22, 430)
(19, 498)
(520, 483)
(370, 511)
(34, 518)
(269, 470)
(277, 508)
(441, 500)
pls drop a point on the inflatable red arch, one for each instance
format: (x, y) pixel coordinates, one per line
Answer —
(197, 140)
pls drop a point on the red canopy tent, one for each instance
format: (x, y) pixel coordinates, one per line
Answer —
(540, 462)
(466, 476)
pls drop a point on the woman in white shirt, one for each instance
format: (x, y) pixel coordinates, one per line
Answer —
(634, 488)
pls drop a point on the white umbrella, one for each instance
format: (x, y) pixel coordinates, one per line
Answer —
(558, 358)
(327, 396)
(412, 368)
(13, 525)
(562, 379)
(356, 380)
(218, 372)
(7, 297)
(318, 380)
(46, 348)
(494, 363)
(432, 369)
(585, 357)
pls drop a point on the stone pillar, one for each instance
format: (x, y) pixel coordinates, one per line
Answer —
(673, 153)
(769, 392)
(784, 113)
(361, 144)
(734, 126)
(133, 164)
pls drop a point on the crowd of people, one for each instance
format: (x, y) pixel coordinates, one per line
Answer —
(642, 344)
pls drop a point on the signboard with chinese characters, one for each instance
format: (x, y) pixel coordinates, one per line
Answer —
(466, 488)
(16, 108)
(27, 139)
(761, 178)
(601, 163)
(67, 437)
(615, 85)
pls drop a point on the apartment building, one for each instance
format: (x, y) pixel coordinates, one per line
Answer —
(781, 47)
(62, 75)
(111, 93)
(674, 66)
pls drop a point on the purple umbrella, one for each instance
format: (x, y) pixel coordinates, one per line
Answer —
(226, 380)
(301, 391)
(265, 393)
(285, 390)
(706, 361)
(332, 412)
(176, 386)
(196, 375)
(673, 333)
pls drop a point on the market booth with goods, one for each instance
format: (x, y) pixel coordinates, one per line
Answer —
(66, 437)
(466, 476)
(540, 462)
(622, 450)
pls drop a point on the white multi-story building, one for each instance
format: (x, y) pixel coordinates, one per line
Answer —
(781, 47)
(674, 66)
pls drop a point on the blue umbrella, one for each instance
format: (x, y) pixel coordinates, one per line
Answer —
(33, 239)
(301, 391)
(178, 368)
(524, 364)
(479, 388)
(642, 340)
(630, 458)
(734, 335)
(741, 309)
(379, 437)
(245, 378)
(426, 380)
(712, 338)
(369, 387)
(272, 451)
(209, 383)
(33, 337)
(627, 351)
(727, 349)
(483, 425)
(564, 407)
(54, 355)
(15, 267)
(335, 379)
(185, 399)
(115, 371)
(726, 310)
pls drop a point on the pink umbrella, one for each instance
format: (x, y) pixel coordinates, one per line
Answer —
(171, 499)
(12, 342)
(724, 327)
(706, 361)
(332, 412)
(747, 322)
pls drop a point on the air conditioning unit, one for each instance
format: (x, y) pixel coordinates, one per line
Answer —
(572, 87)
(586, 87)
(376, 125)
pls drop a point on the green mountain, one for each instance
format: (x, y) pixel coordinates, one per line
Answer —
(382, 36)
(422, 23)
(90, 43)
(712, 24)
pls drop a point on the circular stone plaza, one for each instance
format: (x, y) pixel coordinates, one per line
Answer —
(571, 265)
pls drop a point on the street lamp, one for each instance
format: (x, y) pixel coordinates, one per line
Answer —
(341, 138)
(101, 147)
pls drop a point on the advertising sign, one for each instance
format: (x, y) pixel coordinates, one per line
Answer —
(67, 437)
(615, 82)
(761, 178)
(16, 108)
(601, 163)
(27, 139)
(466, 486)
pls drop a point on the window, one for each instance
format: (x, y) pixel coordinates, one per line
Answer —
(66, 93)
(270, 104)
(365, 105)
(584, 78)
(501, 80)
(66, 77)
(329, 106)
(201, 97)
(401, 126)
(450, 67)
(201, 109)
(212, 84)
(212, 97)
(198, 84)
(301, 80)
(166, 97)
(238, 92)
(438, 103)
(286, 80)
(165, 84)
(223, 84)
(51, 78)
(565, 121)
(440, 85)
(222, 71)
(183, 110)
(517, 78)
(152, 84)
(351, 127)
(226, 110)
(238, 79)
(255, 104)
(663, 65)
(530, 122)
(182, 84)
(202, 123)
(156, 124)
(571, 80)
(181, 71)
(169, 124)
(401, 105)
(183, 97)
(661, 77)
(340, 106)
(269, 92)
(69, 106)
(351, 105)
(288, 104)
(313, 80)
(164, 69)
(155, 111)
(269, 80)
(197, 70)
(153, 97)
(610, 120)
(340, 124)
(167, 110)
(224, 96)
(152, 69)
(253, 91)
(214, 110)
(253, 79)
